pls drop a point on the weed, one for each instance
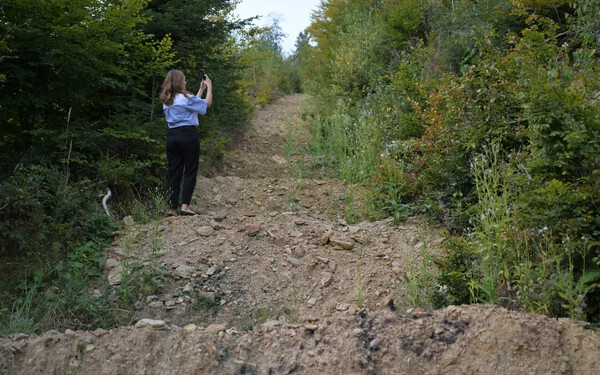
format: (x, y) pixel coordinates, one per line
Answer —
(420, 281)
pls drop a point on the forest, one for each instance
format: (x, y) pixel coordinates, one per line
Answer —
(481, 117)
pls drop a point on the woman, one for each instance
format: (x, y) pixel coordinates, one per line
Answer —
(183, 147)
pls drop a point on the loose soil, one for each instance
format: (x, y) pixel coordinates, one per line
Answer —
(270, 279)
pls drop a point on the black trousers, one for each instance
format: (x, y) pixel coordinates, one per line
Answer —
(183, 152)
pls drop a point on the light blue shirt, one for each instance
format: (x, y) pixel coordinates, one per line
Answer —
(184, 111)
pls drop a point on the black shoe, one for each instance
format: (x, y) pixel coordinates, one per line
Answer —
(170, 215)
(186, 213)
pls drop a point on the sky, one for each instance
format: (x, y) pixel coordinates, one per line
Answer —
(294, 16)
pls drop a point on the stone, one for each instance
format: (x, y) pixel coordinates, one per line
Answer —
(296, 234)
(183, 271)
(215, 328)
(278, 159)
(270, 324)
(325, 237)
(327, 279)
(299, 252)
(128, 221)
(188, 288)
(205, 230)
(156, 304)
(211, 271)
(295, 262)
(357, 332)
(300, 222)
(311, 327)
(354, 229)
(220, 215)
(157, 324)
(190, 328)
(389, 303)
(18, 336)
(116, 275)
(339, 243)
(169, 303)
(342, 306)
(112, 263)
(332, 265)
(342, 222)
(312, 301)
(148, 357)
(252, 230)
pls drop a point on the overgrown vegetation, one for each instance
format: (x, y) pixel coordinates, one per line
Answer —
(485, 117)
(80, 114)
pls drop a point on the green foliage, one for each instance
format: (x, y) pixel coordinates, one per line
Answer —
(80, 113)
(482, 115)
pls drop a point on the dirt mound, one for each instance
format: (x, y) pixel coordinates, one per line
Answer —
(285, 265)
(269, 279)
(455, 340)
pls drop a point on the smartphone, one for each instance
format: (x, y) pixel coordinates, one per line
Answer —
(202, 75)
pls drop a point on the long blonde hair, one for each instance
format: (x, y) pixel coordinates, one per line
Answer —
(173, 84)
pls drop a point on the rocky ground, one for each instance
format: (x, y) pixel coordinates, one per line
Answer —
(270, 279)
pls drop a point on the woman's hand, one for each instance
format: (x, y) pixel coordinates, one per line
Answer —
(206, 82)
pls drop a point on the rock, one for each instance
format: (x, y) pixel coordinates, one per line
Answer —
(339, 243)
(325, 237)
(128, 221)
(342, 306)
(220, 215)
(116, 275)
(183, 271)
(156, 304)
(300, 222)
(112, 263)
(389, 303)
(270, 324)
(18, 336)
(278, 159)
(89, 348)
(215, 328)
(299, 252)
(296, 234)
(158, 324)
(205, 230)
(211, 271)
(295, 262)
(312, 301)
(332, 265)
(252, 229)
(148, 357)
(374, 344)
(342, 222)
(311, 327)
(190, 328)
(357, 332)
(327, 279)
(419, 245)
(354, 229)
(169, 303)
(188, 288)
